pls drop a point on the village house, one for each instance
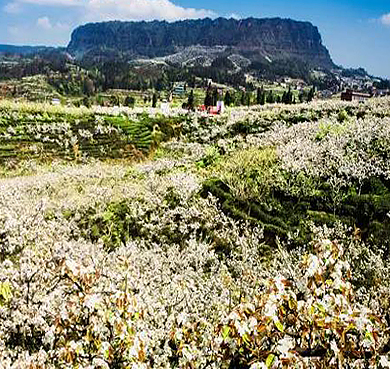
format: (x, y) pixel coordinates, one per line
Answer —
(350, 95)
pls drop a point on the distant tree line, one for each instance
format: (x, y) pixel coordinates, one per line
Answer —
(259, 97)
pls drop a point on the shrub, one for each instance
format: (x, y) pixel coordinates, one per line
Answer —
(251, 173)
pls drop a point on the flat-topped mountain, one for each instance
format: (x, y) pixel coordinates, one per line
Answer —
(256, 40)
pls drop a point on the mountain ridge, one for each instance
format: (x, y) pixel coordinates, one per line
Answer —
(24, 49)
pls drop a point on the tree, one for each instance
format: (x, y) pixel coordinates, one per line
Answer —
(154, 100)
(208, 100)
(228, 100)
(293, 99)
(285, 98)
(310, 97)
(242, 99)
(248, 98)
(260, 95)
(215, 97)
(301, 97)
(263, 98)
(191, 101)
(192, 82)
(270, 97)
(159, 84)
(289, 96)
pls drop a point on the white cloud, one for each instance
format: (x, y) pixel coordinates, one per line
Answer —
(385, 19)
(44, 23)
(103, 10)
(12, 8)
(234, 16)
(99, 10)
(79, 11)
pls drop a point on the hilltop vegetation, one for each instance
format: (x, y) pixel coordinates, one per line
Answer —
(254, 239)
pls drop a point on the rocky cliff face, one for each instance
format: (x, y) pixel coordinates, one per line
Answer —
(255, 39)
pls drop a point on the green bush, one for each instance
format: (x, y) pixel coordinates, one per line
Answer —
(251, 174)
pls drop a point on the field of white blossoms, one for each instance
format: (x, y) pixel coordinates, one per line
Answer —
(255, 239)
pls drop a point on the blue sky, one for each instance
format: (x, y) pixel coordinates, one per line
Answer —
(356, 32)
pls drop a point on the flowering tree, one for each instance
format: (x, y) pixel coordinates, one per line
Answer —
(115, 265)
(312, 322)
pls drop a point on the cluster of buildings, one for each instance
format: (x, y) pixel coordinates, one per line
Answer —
(354, 86)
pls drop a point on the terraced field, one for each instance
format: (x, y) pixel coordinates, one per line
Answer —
(37, 131)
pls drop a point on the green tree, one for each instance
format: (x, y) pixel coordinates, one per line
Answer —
(215, 97)
(191, 101)
(301, 97)
(289, 96)
(208, 100)
(259, 95)
(242, 98)
(192, 82)
(284, 97)
(248, 99)
(228, 100)
(310, 96)
(154, 100)
(270, 97)
(263, 99)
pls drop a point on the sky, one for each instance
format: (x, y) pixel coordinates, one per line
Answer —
(356, 32)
